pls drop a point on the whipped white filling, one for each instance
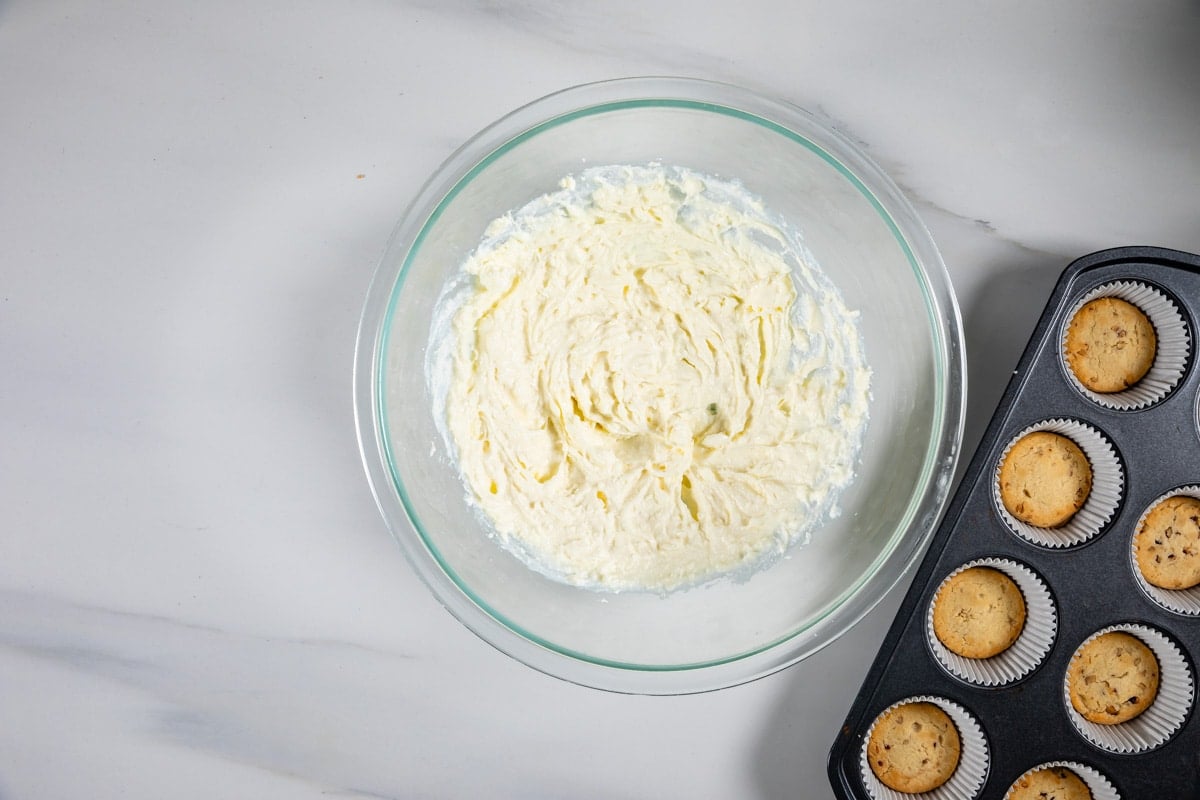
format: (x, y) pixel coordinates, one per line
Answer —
(644, 382)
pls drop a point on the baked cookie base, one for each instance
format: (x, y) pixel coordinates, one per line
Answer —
(1154, 726)
(1179, 601)
(1100, 787)
(1108, 484)
(1171, 356)
(1031, 646)
(973, 758)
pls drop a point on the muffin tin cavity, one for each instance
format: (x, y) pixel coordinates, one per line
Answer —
(1097, 784)
(1171, 352)
(1032, 644)
(1165, 715)
(1148, 537)
(1080, 575)
(973, 758)
(1103, 497)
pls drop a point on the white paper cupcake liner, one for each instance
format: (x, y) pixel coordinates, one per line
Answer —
(973, 760)
(1108, 483)
(1165, 716)
(1030, 648)
(1097, 784)
(1172, 350)
(1181, 601)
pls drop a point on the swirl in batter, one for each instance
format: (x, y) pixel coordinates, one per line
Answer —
(639, 397)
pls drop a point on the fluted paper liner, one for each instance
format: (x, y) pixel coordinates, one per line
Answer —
(1031, 646)
(1097, 783)
(1172, 349)
(1108, 483)
(1181, 601)
(1165, 716)
(973, 759)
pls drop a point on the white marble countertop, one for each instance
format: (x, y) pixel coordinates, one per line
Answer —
(198, 597)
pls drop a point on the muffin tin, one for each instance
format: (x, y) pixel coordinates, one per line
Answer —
(1150, 443)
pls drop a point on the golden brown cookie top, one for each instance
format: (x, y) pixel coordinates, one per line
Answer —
(1045, 479)
(1049, 783)
(1113, 678)
(978, 613)
(914, 747)
(1167, 544)
(1110, 345)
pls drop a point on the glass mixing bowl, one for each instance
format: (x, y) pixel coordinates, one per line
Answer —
(865, 237)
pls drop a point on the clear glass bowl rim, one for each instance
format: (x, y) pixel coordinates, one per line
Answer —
(924, 509)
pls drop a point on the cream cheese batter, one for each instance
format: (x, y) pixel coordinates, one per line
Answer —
(647, 385)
